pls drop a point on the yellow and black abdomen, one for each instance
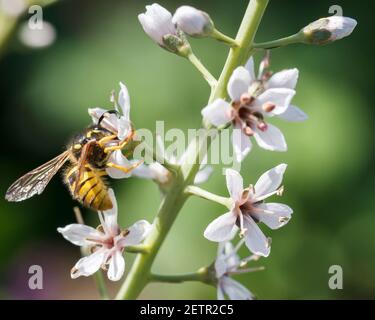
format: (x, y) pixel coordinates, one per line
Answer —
(92, 191)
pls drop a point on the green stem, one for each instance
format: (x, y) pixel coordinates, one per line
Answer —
(201, 275)
(197, 191)
(98, 278)
(245, 38)
(174, 200)
(202, 69)
(137, 249)
(216, 34)
(100, 284)
(293, 39)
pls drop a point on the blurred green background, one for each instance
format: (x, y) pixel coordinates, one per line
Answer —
(44, 96)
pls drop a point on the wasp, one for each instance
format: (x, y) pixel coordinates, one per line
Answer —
(88, 155)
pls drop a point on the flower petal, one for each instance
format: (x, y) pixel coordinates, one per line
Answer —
(239, 83)
(137, 233)
(241, 144)
(87, 266)
(280, 97)
(203, 175)
(221, 229)
(110, 216)
(220, 266)
(157, 22)
(270, 139)
(220, 293)
(284, 79)
(293, 114)
(250, 67)
(235, 290)
(255, 240)
(79, 234)
(124, 101)
(274, 215)
(118, 158)
(217, 113)
(234, 184)
(96, 113)
(270, 180)
(116, 266)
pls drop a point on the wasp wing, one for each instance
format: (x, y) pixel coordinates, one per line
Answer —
(34, 182)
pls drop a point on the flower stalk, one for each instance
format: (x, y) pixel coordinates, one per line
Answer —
(293, 39)
(139, 275)
(202, 69)
(204, 194)
(202, 275)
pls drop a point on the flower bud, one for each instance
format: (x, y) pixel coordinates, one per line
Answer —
(193, 22)
(327, 30)
(157, 23)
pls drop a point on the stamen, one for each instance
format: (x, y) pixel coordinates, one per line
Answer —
(74, 270)
(280, 191)
(253, 257)
(268, 106)
(283, 219)
(242, 229)
(248, 131)
(262, 126)
(246, 270)
(124, 233)
(246, 99)
(269, 241)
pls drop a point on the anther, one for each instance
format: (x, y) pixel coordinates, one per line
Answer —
(262, 126)
(268, 107)
(248, 131)
(246, 99)
(280, 191)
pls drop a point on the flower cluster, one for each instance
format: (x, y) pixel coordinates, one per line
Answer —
(254, 99)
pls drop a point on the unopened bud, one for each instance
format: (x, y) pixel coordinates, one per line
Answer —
(327, 30)
(157, 23)
(193, 22)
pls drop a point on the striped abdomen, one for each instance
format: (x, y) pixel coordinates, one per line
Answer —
(92, 191)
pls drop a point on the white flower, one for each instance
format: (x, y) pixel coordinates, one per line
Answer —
(120, 125)
(157, 23)
(106, 243)
(253, 99)
(229, 263)
(192, 21)
(329, 29)
(249, 209)
(156, 171)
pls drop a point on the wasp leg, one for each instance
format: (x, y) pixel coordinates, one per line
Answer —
(107, 139)
(124, 169)
(122, 143)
